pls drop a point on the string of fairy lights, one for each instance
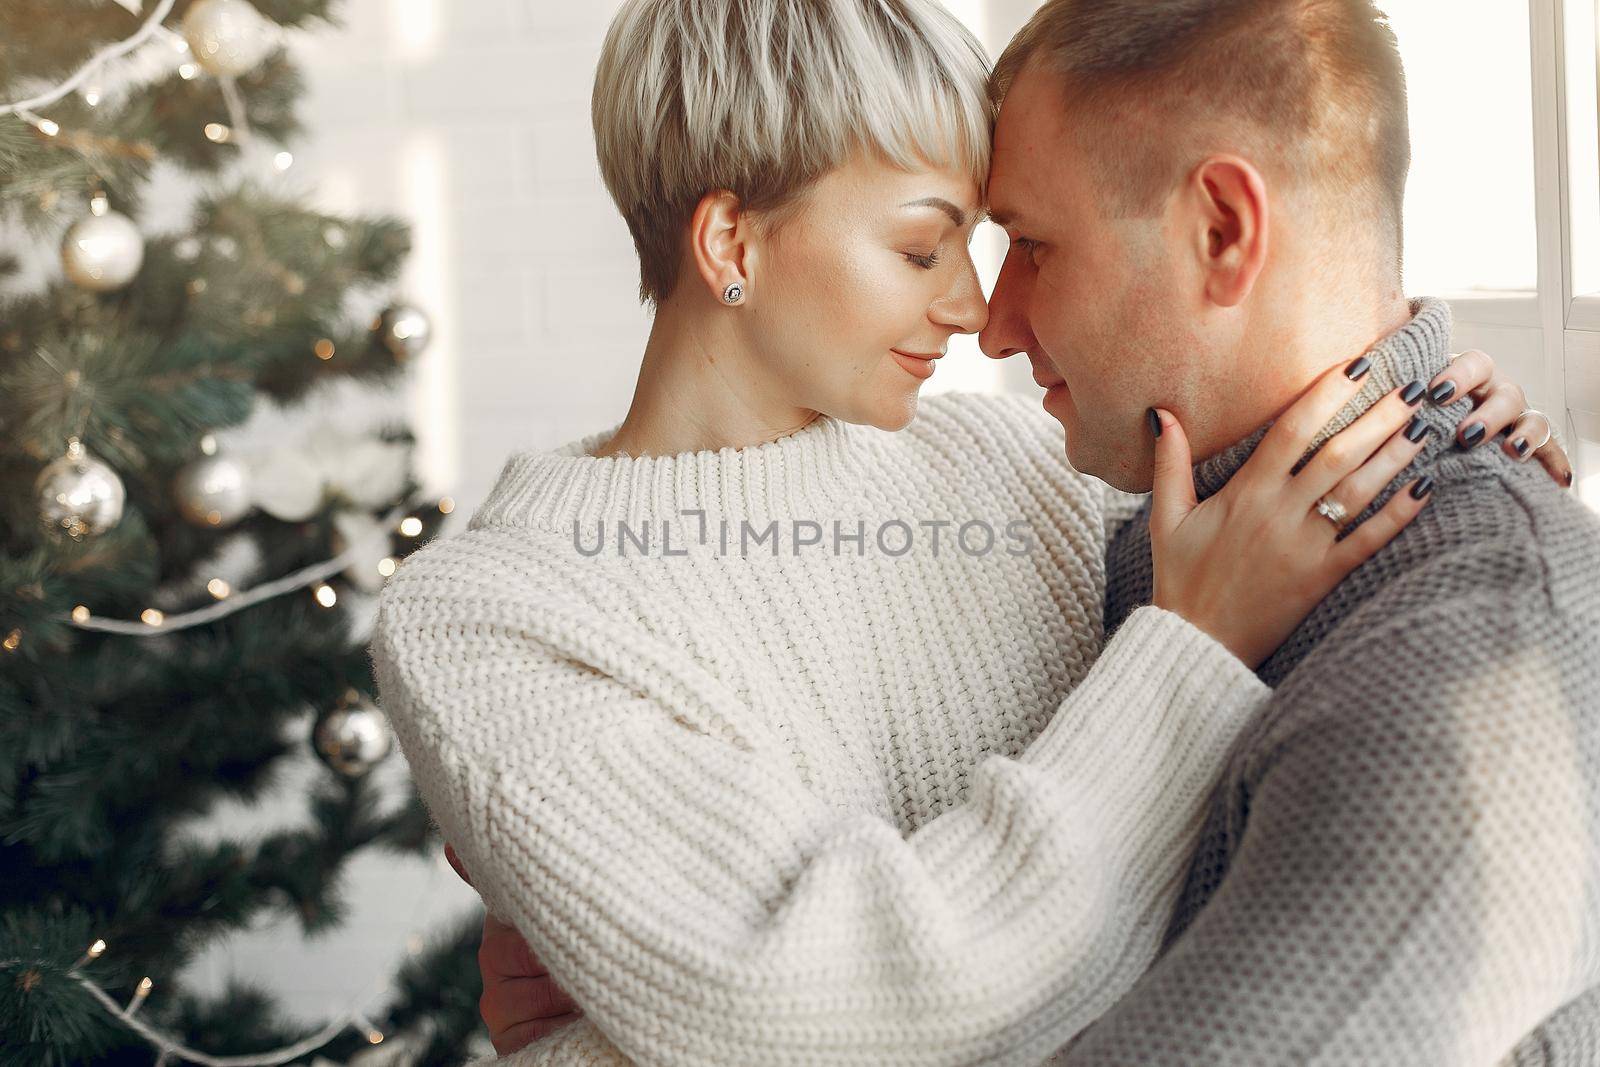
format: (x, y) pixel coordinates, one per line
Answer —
(23, 108)
(227, 37)
(222, 38)
(169, 1049)
(153, 621)
(82, 496)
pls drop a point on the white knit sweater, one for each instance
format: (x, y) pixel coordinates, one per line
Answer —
(810, 806)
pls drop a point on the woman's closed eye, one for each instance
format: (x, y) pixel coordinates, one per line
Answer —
(927, 261)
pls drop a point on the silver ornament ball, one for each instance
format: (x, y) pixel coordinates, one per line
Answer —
(213, 491)
(102, 252)
(404, 330)
(227, 37)
(352, 738)
(79, 495)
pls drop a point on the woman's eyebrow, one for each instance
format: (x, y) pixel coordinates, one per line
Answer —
(957, 216)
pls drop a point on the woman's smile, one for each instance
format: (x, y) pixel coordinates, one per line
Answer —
(918, 365)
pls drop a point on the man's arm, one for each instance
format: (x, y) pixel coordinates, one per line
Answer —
(1416, 879)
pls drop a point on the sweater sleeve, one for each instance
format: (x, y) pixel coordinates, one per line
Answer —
(576, 1044)
(1417, 876)
(663, 856)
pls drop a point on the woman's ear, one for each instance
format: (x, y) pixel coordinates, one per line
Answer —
(1230, 227)
(718, 235)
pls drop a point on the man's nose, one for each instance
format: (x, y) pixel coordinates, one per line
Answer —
(1006, 333)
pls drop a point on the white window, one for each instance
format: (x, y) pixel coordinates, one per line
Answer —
(1503, 205)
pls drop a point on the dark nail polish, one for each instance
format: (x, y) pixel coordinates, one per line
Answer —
(1521, 446)
(1569, 479)
(1473, 435)
(1417, 430)
(1442, 392)
(1155, 422)
(1412, 394)
(1422, 488)
(1360, 367)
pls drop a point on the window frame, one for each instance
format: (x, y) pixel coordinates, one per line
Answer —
(1549, 338)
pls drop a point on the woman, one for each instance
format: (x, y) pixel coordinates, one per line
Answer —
(760, 768)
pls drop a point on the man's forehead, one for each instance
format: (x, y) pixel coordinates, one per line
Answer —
(1009, 193)
(1012, 186)
(1034, 159)
(1000, 216)
(1028, 140)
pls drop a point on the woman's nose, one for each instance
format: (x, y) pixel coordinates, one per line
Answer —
(974, 315)
(964, 309)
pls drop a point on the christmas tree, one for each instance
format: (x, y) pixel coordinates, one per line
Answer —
(139, 687)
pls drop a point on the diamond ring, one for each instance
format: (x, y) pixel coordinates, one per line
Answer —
(1331, 510)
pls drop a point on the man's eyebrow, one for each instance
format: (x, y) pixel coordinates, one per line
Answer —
(1000, 218)
(957, 216)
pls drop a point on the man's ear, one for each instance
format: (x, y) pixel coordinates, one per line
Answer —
(718, 241)
(1230, 228)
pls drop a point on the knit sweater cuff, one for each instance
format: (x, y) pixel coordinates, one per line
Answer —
(1163, 690)
(576, 1044)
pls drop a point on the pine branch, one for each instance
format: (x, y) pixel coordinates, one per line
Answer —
(112, 746)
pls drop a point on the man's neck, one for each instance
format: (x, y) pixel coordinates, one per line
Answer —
(1288, 356)
(1415, 347)
(696, 392)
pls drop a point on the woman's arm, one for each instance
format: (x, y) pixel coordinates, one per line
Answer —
(705, 907)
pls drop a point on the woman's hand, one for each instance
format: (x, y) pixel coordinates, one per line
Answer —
(1250, 563)
(1497, 403)
(521, 1002)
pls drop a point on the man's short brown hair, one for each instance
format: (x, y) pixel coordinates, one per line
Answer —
(1311, 90)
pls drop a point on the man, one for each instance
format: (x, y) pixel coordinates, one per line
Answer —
(1410, 876)
(1401, 880)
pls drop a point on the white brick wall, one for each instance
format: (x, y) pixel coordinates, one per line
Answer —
(525, 264)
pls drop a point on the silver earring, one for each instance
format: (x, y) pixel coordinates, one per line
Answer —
(733, 293)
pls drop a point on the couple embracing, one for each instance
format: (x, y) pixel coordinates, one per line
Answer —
(1237, 703)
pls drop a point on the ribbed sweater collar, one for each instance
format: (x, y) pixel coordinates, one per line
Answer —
(1419, 349)
(802, 475)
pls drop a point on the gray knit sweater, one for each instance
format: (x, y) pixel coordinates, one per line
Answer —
(1402, 862)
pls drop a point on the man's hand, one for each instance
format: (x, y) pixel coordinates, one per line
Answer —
(521, 1002)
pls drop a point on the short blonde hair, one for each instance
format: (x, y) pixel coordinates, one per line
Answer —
(763, 97)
